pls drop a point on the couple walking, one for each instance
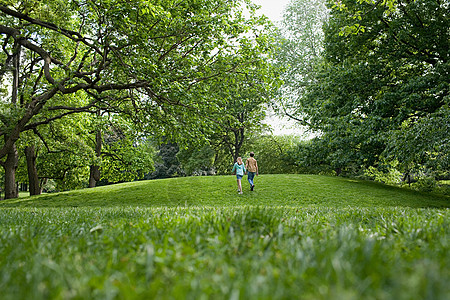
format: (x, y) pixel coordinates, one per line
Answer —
(251, 168)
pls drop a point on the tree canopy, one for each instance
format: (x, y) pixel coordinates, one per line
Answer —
(381, 92)
(151, 61)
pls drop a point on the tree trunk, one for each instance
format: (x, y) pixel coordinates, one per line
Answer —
(16, 75)
(10, 166)
(11, 162)
(33, 178)
(94, 175)
(238, 142)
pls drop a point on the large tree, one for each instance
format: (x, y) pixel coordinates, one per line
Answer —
(147, 59)
(300, 51)
(125, 154)
(60, 151)
(244, 98)
(384, 92)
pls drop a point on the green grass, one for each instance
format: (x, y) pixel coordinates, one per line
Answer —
(295, 237)
(271, 190)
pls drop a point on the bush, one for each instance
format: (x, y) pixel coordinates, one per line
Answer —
(390, 175)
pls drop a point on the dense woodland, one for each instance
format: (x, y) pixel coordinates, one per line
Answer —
(107, 91)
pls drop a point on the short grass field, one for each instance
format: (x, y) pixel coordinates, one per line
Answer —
(294, 237)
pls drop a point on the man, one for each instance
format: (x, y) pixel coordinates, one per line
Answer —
(252, 169)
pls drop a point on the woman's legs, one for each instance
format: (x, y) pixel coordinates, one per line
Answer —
(239, 185)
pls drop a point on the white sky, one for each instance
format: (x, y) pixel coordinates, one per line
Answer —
(273, 9)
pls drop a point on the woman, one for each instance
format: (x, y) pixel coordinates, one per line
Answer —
(239, 170)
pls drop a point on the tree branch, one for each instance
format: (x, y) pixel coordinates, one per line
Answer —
(73, 35)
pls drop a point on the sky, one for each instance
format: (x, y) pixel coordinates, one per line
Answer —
(273, 9)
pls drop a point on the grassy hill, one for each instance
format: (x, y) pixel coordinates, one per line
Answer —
(271, 190)
(294, 237)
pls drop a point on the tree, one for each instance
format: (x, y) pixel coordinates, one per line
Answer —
(274, 153)
(300, 50)
(168, 164)
(126, 155)
(384, 85)
(62, 152)
(354, 25)
(244, 97)
(151, 61)
(197, 160)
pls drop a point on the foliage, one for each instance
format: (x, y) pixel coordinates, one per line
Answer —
(425, 141)
(153, 62)
(389, 7)
(300, 43)
(420, 179)
(386, 173)
(327, 155)
(245, 97)
(382, 94)
(273, 153)
(65, 149)
(197, 161)
(63, 152)
(167, 164)
(126, 155)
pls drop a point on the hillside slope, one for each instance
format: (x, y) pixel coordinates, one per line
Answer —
(271, 190)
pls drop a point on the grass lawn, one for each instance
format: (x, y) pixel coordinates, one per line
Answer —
(271, 190)
(294, 237)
